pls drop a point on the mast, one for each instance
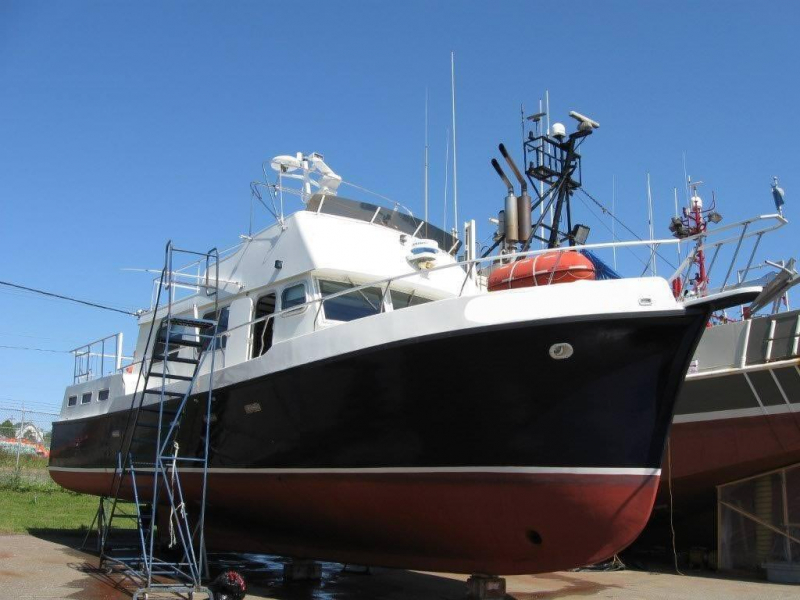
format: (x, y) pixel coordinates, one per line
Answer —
(650, 225)
(446, 167)
(700, 225)
(547, 134)
(455, 172)
(541, 182)
(556, 163)
(686, 179)
(426, 161)
(694, 222)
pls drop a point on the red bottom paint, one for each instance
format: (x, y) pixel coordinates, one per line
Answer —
(491, 523)
(706, 454)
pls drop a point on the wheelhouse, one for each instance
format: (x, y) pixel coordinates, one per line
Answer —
(305, 273)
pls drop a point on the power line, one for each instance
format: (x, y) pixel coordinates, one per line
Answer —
(34, 349)
(631, 231)
(36, 337)
(68, 298)
(628, 248)
(23, 294)
(31, 411)
(31, 403)
(611, 214)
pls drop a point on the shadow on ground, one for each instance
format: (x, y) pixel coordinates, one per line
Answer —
(264, 577)
(66, 537)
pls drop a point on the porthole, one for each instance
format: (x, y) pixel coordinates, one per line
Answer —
(561, 350)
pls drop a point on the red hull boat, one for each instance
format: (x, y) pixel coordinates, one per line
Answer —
(738, 413)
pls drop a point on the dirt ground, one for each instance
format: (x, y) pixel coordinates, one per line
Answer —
(47, 566)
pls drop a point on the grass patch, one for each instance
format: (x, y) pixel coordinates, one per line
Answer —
(30, 500)
(43, 506)
(27, 462)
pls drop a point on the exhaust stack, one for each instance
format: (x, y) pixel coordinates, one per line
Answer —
(509, 219)
(524, 200)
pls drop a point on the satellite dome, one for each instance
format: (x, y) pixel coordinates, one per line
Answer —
(559, 131)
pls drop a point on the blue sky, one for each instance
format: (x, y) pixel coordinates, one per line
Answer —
(125, 124)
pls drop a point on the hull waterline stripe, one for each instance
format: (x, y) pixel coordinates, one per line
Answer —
(400, 470)
(736, 413)
(771, 366)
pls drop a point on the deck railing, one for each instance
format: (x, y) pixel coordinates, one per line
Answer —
(476, 271)
(98, 358)
(198, 276)
(751, 228)
(713, 241)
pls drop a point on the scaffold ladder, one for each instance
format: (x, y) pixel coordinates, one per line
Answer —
(150, 467)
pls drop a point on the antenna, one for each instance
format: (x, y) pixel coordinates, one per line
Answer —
(686, 179)
(455, 173)
(280, 187)
(650, 223)
(547, 109)
(250, 228)
(541, 182)
(446, 165)
(547, 133)
(426, 161)
(677, 246)
(614, 217)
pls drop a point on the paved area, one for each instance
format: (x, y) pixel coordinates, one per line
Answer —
(50, 567)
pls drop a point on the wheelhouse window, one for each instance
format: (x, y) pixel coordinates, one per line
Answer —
(293, 296)
(348, 307)
(262, 331)
(404, 300)
(221, 317)
(102, 395)
(72, 401)
(86, 398)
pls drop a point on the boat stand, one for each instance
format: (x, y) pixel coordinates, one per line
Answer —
(148, 477)
(486, 587)
(302, 570)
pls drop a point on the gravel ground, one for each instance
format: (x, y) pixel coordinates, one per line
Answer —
(50, 567)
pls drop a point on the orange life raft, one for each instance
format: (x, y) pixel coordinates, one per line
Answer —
(542, 269)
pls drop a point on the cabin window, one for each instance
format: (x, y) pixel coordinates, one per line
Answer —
(348, 307)
(222, 326)
(262, 331)
(102, 395)
(293, 296)
(72, 401)
(403, 300)
(86, 398)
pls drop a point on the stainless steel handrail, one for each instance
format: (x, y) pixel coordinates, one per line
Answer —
(771, 223)
(509, 257)
(81, 372)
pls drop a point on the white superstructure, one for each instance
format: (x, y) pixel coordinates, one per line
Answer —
(332, 264)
